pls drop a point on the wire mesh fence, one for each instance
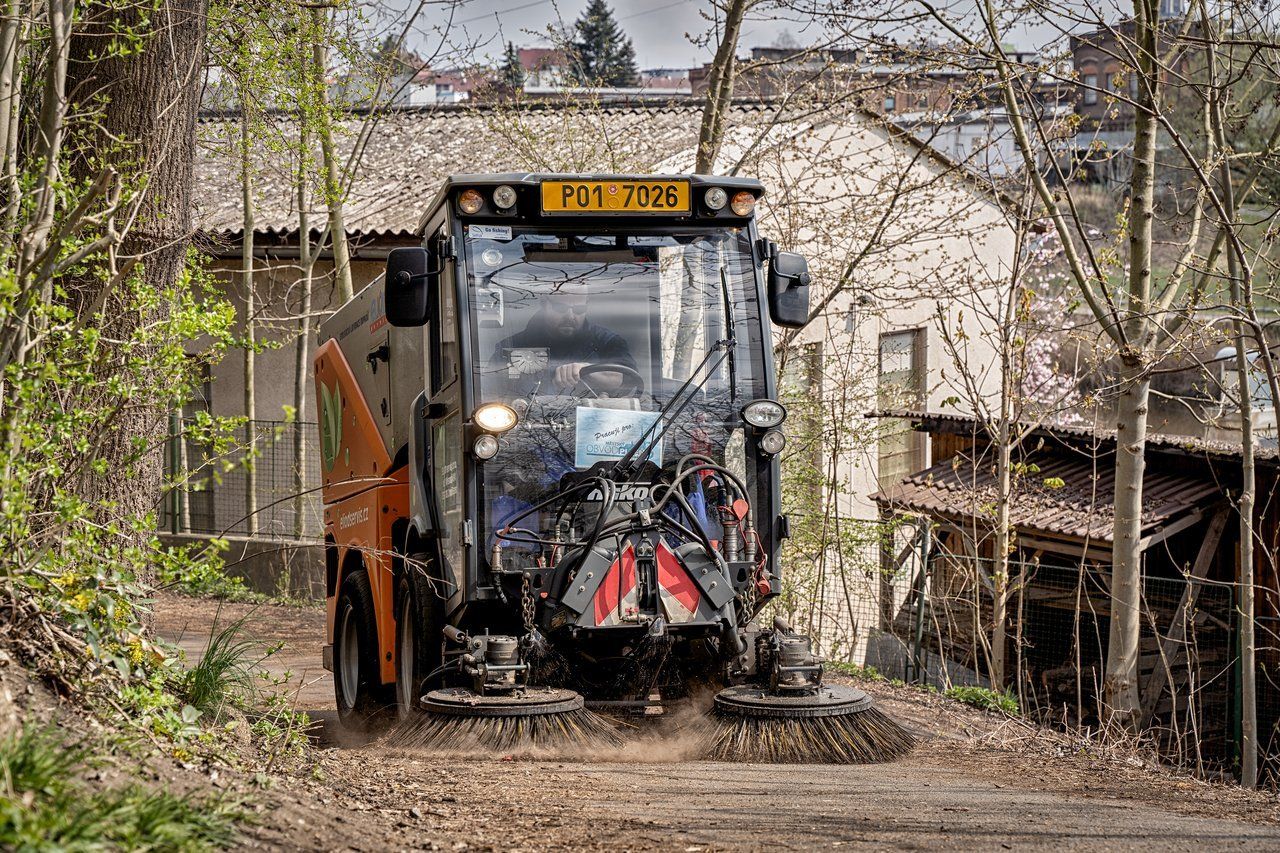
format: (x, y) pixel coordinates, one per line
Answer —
(258, 480)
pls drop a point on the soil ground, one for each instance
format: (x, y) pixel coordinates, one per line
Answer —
(976, 781)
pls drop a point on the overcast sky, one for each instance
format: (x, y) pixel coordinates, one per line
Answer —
(661, 30)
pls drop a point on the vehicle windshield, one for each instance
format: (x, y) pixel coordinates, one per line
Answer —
(588, 336)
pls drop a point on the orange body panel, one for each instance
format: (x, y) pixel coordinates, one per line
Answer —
(363, 497)
(352, 455)
(363, 523)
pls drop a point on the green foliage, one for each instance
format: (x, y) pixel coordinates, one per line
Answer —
(602, 53)
(511, 72)
(198, 571)
(43, 807)
(226, 674)
(984, 699)
(857, 670)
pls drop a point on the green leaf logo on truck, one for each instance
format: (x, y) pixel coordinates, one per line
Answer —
(330, 424)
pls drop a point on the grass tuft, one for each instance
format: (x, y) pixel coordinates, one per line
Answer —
(43, 807)
(984, 699)
(226, 674)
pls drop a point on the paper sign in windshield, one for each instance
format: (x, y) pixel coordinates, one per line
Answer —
(605, 435)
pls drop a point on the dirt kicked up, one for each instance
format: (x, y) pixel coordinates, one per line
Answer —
(976, 782)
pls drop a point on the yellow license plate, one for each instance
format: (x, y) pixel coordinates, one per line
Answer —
(615, 197)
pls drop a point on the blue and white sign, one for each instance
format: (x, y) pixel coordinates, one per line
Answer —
(605, 435)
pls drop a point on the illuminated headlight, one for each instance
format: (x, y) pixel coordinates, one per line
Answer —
(486, 446)
(715, 198)
(496, 418)
(743, 203)
(470, 202)
(764, 414)
(772, 442)
(504, 197)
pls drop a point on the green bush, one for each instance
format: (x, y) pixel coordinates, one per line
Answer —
(984, 699)
(43, 808)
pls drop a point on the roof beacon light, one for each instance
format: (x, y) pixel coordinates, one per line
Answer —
(470, 201)
(495, 418)
(764, 414)
(743, 203)
(715, 198)
(504, 197)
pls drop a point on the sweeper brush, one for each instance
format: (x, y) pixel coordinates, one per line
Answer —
(789, 716)
(833, 725)
(457, 719)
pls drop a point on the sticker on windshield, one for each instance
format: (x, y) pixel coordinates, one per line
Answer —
(489, 232)
(605, 435)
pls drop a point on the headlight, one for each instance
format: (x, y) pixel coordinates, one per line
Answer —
(486, 446)
(764, 414)
(715, 198)
(743, 203)
(772, 442)
(496, 418)
(504, 197)
(470, 202)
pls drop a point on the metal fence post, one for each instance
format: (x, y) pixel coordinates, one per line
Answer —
(175, 507)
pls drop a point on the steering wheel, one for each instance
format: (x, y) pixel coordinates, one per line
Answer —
(632, 382)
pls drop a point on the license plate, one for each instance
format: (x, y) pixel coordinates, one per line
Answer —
(615, 197)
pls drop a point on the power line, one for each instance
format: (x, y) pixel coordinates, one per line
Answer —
(486, 16)
(651, 11)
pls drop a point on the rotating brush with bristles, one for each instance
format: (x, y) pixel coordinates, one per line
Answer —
(833, 725)
(534, 719)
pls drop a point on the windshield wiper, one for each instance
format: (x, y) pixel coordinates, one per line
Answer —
(730, 335)
(648, 439)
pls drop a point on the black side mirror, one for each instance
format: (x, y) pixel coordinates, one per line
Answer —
(789, 289)
(408, 286)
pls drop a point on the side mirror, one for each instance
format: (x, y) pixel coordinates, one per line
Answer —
(789, 289)
(408, 286)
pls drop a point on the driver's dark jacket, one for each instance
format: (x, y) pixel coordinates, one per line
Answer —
(592, 343)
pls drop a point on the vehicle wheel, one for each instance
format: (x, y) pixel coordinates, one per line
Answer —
(418, 646)
(357, 684)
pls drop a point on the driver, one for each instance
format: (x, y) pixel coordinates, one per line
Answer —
(558, 342)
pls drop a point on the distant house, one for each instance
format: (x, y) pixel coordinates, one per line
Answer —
(1105, 83)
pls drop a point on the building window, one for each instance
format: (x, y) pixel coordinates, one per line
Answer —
(1091, 88)
(900, 385)
(889, 103)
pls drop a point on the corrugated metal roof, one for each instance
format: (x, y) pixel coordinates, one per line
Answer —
(412, 151)
(957, 423)
(1080, 507)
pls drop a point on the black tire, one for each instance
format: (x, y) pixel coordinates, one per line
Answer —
(419, 649)
(357, 680)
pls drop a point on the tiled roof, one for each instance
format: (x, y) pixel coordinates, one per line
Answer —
(1180, 444)
(411, 151)
(1067, 496)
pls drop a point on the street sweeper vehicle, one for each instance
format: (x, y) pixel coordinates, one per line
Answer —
(550, 439)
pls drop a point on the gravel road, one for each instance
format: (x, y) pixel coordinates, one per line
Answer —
(976, 782)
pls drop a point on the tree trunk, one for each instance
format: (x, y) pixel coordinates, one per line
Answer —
(302, 367)
(333, 200)
(1121, 685)
(1122, 696)
(146, 131)
(250, 323)
(715, 111)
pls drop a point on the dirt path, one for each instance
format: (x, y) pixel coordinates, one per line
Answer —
(974, 783)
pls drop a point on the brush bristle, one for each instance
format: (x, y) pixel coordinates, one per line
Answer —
(459, 733)
(862, 737)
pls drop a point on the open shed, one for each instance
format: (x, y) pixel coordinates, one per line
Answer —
(1063, 487)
